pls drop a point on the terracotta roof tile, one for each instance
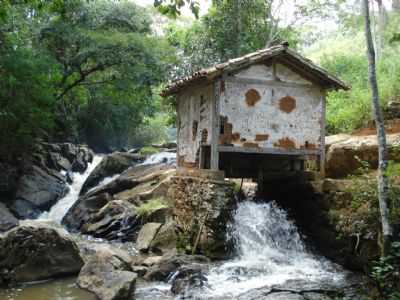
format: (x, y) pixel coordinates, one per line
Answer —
(327, 80)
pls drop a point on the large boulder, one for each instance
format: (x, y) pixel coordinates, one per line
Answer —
(33, 183)
(344, 153)
(117, 220)
(7, 219)
(109, 211)
(66, 156)
(38, 189)
(108, 276)
(36, 251)
(112, 164)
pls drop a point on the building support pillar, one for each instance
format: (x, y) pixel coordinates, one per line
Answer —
(214, 164)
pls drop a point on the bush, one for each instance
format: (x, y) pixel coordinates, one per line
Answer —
(153, 131)
(151, 206)
(149, 150)
(345, 57)
(386, 272)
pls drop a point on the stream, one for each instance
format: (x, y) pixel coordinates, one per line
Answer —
(269, 251)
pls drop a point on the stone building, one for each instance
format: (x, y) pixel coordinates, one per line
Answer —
(256, 115)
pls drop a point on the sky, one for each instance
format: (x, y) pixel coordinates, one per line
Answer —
(204, 5)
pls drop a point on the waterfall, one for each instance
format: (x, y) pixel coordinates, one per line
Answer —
(269, 251)
(162, 157)
(58, 210)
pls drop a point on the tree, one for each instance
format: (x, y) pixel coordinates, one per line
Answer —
(77, 70)
(382, 22)
(396, 5)
(383, 183)
(173, 7)
(229, 29)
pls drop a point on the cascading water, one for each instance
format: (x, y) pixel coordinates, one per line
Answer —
(58, 210)
(162, 157)
(269, 250)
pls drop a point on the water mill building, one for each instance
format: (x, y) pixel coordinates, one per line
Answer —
(256, 115)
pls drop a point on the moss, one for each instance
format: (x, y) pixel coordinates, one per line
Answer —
(148, 150)
(151, 206)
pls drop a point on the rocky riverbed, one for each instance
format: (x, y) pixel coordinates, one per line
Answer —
(121, 226)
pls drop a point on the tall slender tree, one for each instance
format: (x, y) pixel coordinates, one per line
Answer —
(383, 183)
(382, 22)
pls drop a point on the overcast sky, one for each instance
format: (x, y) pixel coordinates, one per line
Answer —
(204, 4)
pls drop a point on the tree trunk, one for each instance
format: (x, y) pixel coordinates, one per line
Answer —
(382, 21)
(396, 5)
(383, 184)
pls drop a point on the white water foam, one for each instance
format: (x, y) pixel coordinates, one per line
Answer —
(58, 210)
(162, 157)
(270, 251)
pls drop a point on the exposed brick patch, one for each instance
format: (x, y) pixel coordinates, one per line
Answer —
(287, 104)
(285, 143)
(252, 97)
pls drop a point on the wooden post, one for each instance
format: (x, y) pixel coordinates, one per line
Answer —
(214, 165)
(323, 124)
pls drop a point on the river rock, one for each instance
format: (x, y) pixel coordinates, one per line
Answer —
(8, 178)
(95, 214)
(167, 145)
(7, 219)
(171, 263)
(187, 280)
(112, 164)
(166, 237)
(36, 251)
(82, 210)
(117, 220)
(38, 189)
(34, 182)
(342, 151)
(146, 236)
(108, 276)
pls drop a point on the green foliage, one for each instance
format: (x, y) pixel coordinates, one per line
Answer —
(153, 131)
(151, 206)
(343, 54)
(229, 29)
(79, 70)
(386, 272)
(26, 101)
(364, 197)
(173, 8)
(148, 150)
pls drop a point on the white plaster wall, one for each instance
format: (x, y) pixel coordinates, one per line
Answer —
(190, 108)
(301, 125)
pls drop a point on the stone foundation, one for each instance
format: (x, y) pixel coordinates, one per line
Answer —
(202, 208)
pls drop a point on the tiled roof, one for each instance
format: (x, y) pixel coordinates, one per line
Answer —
(281, 52)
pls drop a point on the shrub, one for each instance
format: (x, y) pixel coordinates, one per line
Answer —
(386, 272)
(149, 150)
(151, 206)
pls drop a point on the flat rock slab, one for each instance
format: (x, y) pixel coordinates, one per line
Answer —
(108, 275)
(146, 236)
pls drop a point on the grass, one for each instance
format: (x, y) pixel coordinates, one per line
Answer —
(151, 206)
